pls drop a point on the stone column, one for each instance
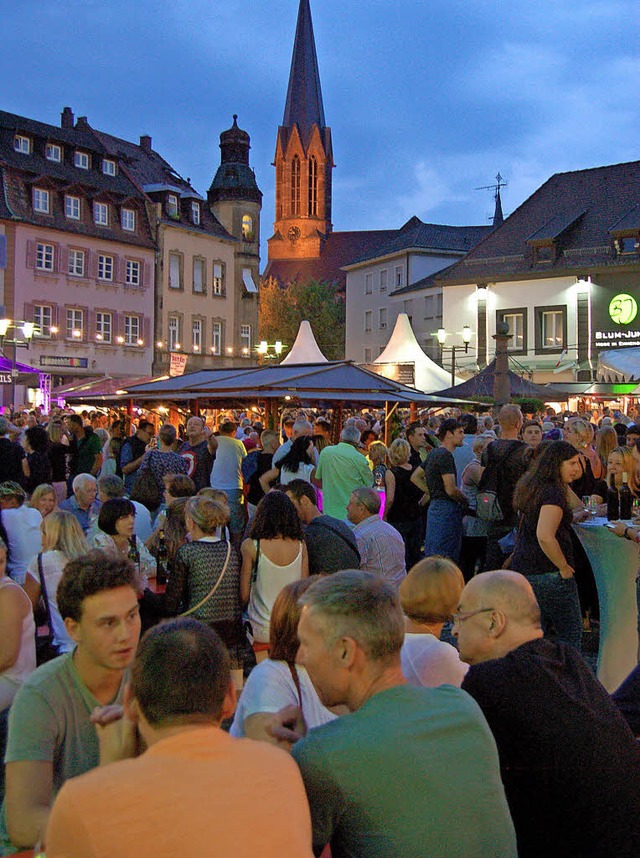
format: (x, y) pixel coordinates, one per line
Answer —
(501, 389)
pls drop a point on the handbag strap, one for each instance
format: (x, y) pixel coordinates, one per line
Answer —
(43, 591)
(212, 591)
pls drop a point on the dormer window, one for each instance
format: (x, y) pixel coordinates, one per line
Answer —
(81, 159)
(53, 152)
(22, 144)
(627, 244)
(195, 213)
(128, 220)
(40, 201)
(544, 253)
(101, 214)
(108, 167)
(172, 205)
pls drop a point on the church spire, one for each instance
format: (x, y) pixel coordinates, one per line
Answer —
(304, 156)
(498, 217)
(304, 96)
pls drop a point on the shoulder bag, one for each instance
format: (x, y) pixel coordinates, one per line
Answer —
(212, 591)
(45, 648)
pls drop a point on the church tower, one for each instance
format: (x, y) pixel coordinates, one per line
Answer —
(304, 156)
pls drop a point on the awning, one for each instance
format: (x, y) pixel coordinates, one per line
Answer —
(247, 279)
(619, 365)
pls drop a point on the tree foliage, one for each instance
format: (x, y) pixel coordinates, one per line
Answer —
(282, 308)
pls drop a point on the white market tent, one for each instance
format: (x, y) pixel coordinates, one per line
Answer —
(403, 348)
(305, 349)
(619, 365)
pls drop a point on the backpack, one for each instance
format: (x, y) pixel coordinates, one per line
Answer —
(490, 488)
(250, 465)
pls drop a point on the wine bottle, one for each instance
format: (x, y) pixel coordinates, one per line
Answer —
(625, 498)
(613, 500)
(162, 556)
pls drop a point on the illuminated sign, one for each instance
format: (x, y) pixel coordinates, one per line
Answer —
(623, 309)
(55, 360)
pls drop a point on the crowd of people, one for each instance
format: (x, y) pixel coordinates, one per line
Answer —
(235, 640)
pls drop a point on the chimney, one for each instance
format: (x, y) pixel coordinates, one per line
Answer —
(145, 142)
(82, 124)
(66, 118)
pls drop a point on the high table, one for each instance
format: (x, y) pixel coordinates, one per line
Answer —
(615, 563)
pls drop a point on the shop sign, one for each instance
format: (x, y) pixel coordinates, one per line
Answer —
(615, 322)
(5, 378)
(177, 365)
(60, 361)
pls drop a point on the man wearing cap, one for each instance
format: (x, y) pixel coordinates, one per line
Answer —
(22, 524)
(11, 454)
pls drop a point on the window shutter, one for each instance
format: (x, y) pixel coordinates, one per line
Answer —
(85, 324)
(63, 260)
(91, 264)
(116, 320)
(93, 326)
(32, 250)
(55, 321)
(28, 311)
(119, 269)
(57, 260)
(147, 279)
(147, 332)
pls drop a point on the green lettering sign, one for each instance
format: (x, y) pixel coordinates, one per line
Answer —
(623, 309)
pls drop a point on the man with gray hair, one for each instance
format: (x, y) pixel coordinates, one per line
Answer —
(301, 428)
(410, 771)
(83, 502)
(570, 763)
(341, 469)
(380, 545)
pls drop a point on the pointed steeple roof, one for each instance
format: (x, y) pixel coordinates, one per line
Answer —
(304, 96)
(498, 217)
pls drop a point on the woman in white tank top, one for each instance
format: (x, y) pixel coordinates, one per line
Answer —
(274, 555)
(18, 641)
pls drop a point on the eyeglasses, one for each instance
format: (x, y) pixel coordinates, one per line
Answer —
(461, 616)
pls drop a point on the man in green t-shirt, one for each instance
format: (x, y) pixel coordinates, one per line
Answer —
(341, 469)
(51, 736)
(410, 771)
(86, 451)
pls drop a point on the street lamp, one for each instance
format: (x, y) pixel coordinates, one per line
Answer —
(28, 330)
(466, 339)
(264, 353)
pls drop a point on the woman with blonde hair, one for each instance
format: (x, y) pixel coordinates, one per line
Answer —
(621, 462)
(205, 580)
(606, 441)
(402, 507)
(44, 499)
(278, 681)
(62, 541)
(429, 596)
(579, 433)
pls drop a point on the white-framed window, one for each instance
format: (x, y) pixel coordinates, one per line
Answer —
(216, 338)
(131, 330)
(247, 227)
(516, 322)
(217, 284)
(72, 207)
(22, 144)
(367, 355)
(53, 152)
(101, 214)
(195, 213)
(198, 275)
(108, 167)
(245, 339)
(382, 318)
(172, 205)
(104, 327)
(196, 335)
(76, 263)
(552, 323)
(42, 319)
(128, 219)
(384, 279)
(174, 333)
(41, 201)
(81, 159)
(399, 276)
(44, 256)
(368, 284)
(132, 273)
(368, 320)
(75, 324)
(175, 271)
(105, 267)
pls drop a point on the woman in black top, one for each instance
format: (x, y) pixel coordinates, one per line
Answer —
(36, 465)
(543, 551)
(402, 507)
(58, 453)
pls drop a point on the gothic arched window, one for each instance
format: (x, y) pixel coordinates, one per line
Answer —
(313, 187)
(247, 227)
(295, 186)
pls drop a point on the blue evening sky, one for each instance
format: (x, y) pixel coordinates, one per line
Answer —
(426, 99)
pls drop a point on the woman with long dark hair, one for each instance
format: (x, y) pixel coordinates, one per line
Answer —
(36, 465)
(298, 464)
(274, 555)
(543, 550)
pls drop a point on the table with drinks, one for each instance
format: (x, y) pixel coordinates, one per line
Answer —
(615, 562)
